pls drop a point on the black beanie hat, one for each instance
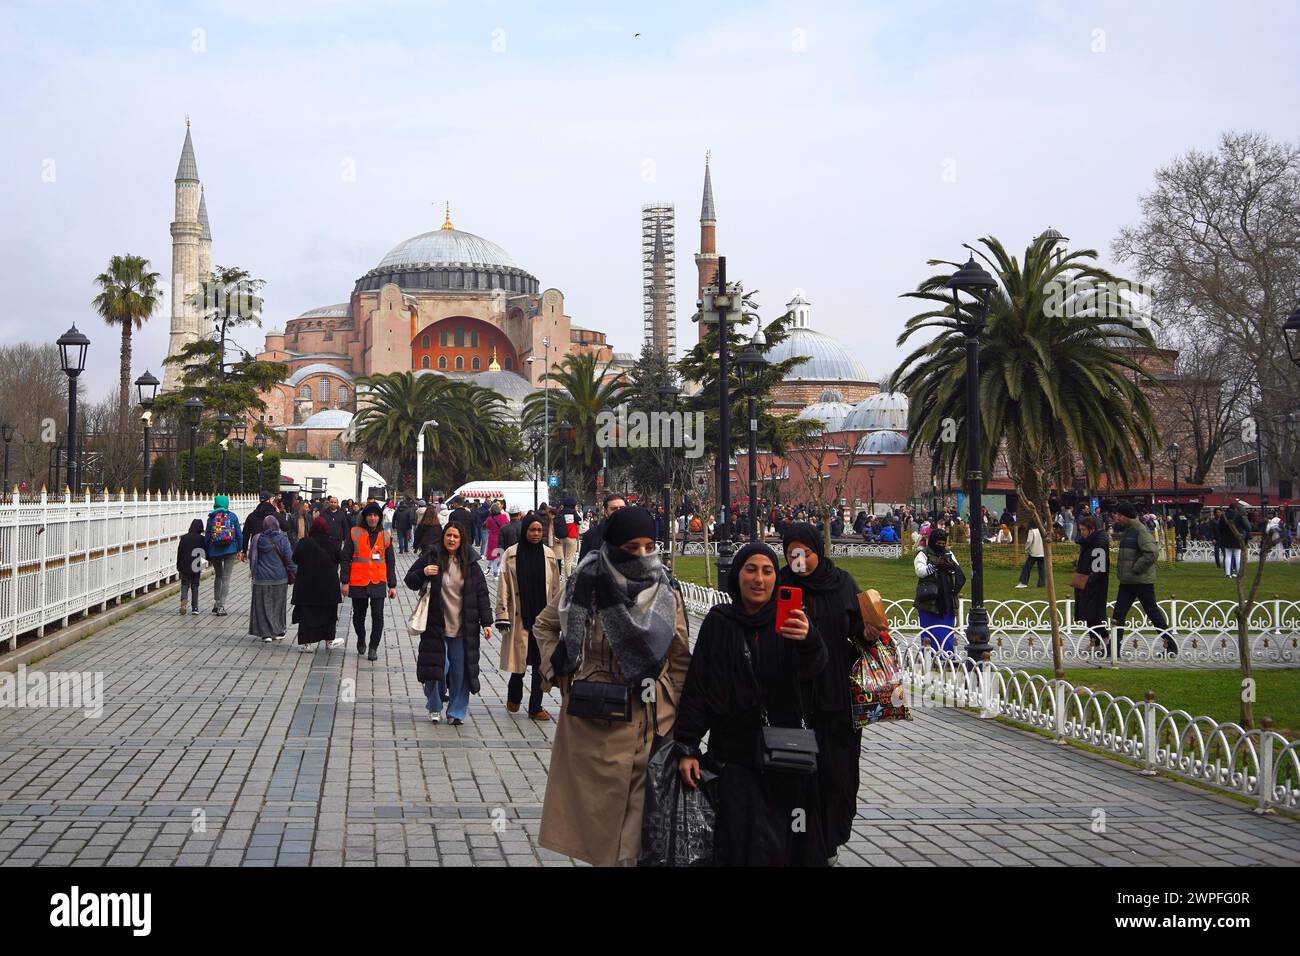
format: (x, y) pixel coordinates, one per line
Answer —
(628, 523)
(1127, 510)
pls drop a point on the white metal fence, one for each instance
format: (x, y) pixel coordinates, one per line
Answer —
(839, 549)
(61, 557)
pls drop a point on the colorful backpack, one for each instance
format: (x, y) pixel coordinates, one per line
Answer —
(223, 528)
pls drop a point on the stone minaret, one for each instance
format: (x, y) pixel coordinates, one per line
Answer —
(706, 260)
(188, 249)
(205, 237)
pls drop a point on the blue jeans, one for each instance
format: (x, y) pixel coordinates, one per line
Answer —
(455, 683)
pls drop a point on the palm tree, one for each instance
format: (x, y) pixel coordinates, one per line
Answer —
(1058, 377)
(128, 296)
(473, 436)
(584, 392)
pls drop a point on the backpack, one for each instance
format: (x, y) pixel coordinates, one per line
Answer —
(223, 528)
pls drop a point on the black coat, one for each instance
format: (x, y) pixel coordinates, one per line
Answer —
(475, 614)
(338, 522)
(190, 543)
(1090, 602)
(593, 539)
(317, 582)
(402, 518)
(253, 523)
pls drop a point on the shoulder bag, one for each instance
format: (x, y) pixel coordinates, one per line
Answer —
(597, 700)
(419, 619)
(784, 749)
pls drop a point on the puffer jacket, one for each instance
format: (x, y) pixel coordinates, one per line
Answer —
(265, 554)
(475, 614)
(1138, 553)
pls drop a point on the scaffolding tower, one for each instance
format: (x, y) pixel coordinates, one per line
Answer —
(659, 277)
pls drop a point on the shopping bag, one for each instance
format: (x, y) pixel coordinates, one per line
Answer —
(420, 616)
(677, 825)
(876, 688)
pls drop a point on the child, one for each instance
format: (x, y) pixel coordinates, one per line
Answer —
(189, 563)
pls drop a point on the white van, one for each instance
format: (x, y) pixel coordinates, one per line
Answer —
(518, 494)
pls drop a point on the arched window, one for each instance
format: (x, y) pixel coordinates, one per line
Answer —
(424, 361)
(444, 339)
(426, 340)
(336, 449)
(442, 361)
(305, 392)
(301, 447)
(324, 390)
(474, 363)
(343, 394)
(460, 362)
(509, 363)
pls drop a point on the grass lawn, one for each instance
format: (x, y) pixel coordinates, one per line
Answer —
(895, 580)
(1209, 693)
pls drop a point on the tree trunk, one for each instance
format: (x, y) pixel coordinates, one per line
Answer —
(704, 526)
(124, 382)
(1038, 507)
(1246, 604)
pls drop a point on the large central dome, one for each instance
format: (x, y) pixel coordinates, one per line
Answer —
(444, 247)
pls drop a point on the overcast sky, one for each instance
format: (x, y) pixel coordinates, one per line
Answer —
(851, 142)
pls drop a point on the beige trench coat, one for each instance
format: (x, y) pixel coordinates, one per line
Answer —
(595, 788)
(514, 647)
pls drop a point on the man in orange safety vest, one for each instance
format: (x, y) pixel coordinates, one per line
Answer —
(367, 571)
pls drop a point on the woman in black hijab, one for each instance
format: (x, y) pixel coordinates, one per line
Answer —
(830, 599)
(743, 674)
(530, 578)
(316, 590)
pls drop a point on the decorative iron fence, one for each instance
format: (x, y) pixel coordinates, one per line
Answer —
(61, 557)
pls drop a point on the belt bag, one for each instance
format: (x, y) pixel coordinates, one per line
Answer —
(599, 701)
(789, 750)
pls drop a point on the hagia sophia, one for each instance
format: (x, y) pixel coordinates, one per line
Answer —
(449, 302)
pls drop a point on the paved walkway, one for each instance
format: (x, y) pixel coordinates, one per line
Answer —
(216, 749)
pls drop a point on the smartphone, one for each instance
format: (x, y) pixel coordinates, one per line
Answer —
(787, 599)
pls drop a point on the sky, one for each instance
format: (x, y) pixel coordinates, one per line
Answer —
(850, 142)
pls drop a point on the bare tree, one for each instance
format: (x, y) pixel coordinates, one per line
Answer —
(34, 401)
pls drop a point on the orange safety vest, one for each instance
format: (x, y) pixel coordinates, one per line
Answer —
(368, 564)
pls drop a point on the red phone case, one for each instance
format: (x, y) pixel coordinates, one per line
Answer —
(785, 605)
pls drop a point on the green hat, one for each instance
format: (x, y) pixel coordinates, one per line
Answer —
(221, 501)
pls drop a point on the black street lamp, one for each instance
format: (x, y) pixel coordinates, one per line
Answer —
(751, 365)
(1175, 452)
(564, 435)
(668, 393)
(193, 413)
(7, 431)
(224, 422)
(260, 442)
(241, 429)
(72, 355)
(871, 476)
(977, 283)
(146, 387)
(1291, 334)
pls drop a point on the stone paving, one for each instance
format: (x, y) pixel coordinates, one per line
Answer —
(216, 749)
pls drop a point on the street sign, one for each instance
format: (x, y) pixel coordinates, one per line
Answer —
(553, 481)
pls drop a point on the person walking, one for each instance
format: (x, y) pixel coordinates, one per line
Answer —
(428, 531)
(492, 525)
(190, 553)
(1230, 537)
(511, 532)
(530, 582)
(595, 535)
(368, 571)
(1090, 600)
(1033, 556)
(940, 579)
(223, 540)
(567, 534)
(1138, 553)
(746, 676)
(619, 623)
(402, 522)
(270, 559)
(830, 599)
(447, 659)
(337, 519)
(255, 519)
(317, 592)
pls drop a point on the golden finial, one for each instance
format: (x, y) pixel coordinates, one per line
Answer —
(492, 365)
(446, 222)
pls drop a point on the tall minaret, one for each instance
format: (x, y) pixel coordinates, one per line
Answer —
(205, 237)
(706, 260)
(187, 246)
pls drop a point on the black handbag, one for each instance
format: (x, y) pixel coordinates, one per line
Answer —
(599, 701)
(784, 749)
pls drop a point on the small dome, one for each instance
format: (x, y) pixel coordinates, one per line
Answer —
(510, 386)
(828, 360)
(342, 310)
(831, 414)
(882, 443)
(831, 395)
(316, 368)
(332, 418)
(884, 410)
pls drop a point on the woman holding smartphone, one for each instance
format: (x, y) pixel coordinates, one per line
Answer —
(459, 610)
(745, 675)
(830, 599)
(939, 580)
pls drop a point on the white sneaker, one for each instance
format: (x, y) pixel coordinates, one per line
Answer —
(435, 717)
(267, 640)
(306, 648)
(1019, 586)
(337, 642)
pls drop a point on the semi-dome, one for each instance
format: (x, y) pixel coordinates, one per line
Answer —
(882, 443)
(340, 310)
(828, 360)
(831, 414)
(316, 368)
(332, 418)
(884, 410)
(513, 388)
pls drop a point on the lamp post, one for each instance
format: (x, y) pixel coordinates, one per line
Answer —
(564, 435)
(419, 457)
(193, 413)
(1291, 334)
(668, 393)
(977, 283)
(751, 365)
(260, 442)
(1174, 452)
(8, 433)
(546, 406)
(871, 477)
(72, 355)
(224, 422)
(146, 387)
(241, 430)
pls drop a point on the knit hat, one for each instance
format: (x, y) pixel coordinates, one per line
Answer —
(373, 509)
(1127, 510)
(221, 501)
(628, 523)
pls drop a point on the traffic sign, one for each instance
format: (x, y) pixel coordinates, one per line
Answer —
(553, 481)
